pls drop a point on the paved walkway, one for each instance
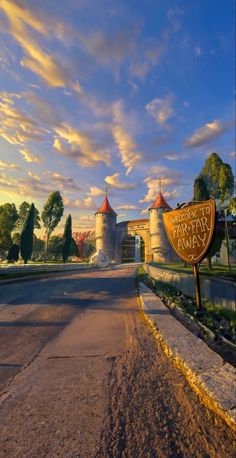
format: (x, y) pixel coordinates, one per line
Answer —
(214, 380)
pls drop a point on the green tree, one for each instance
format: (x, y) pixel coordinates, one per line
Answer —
(67, 238)
(55, 248)
(200, 190)
(51, 215)
(8, 219)
(24, 209)
(38, 249)
(216, 245)
(26, 240)
(13, 253)
(232, 206)
(218, 177)
(74, 250)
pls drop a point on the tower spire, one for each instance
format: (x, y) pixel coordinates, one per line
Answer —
(159, 184)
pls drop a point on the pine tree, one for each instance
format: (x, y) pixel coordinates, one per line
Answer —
(51, 215)
(67, 238)
(200, 190)
(26, 240)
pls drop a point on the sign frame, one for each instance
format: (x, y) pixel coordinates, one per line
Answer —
(192, 259)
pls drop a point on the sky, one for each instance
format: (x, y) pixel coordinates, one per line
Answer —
(116, 93)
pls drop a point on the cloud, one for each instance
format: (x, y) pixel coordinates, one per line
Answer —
(127, 207)
(115, 46)
(114, 182)
(86, 203)
(8, 165)
(30, 157)
(161, 109)
(33, 175)
(95, 192)
(206, 134)
(127, 147)
(67, 184)
(24, 22)
(198, 51)
(175, 156)
(80, 146)
(153, 188)
(16, 127)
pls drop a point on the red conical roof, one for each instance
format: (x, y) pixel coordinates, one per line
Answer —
(105, 207)
(160, 202)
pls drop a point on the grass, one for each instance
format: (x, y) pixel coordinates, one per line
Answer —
(220, 321)
(217, 269)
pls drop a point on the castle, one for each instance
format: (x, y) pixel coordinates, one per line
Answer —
(137, 240)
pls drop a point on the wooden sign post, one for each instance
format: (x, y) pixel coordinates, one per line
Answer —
(190, 229)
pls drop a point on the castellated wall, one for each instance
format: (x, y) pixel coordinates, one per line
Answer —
(105, 233)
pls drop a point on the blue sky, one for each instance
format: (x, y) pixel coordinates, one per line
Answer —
(115, 92)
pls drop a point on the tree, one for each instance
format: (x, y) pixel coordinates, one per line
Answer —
(24, 209)
(218, 177)
(13, 253)
(51, 215)
(219, 180)
(26, 240)
(8, 218)
(55, 247)
(67, 237)
(74, 250)
(232, 206)
(38, 249)
(216, 245)
(200, 190)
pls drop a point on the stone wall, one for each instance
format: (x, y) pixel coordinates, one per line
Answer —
(218, 291)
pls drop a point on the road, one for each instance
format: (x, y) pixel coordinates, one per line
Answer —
(82, 376)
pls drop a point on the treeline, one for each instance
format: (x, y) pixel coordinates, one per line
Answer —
(17, 236)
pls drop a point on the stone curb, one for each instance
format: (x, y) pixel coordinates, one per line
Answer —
(213, 380)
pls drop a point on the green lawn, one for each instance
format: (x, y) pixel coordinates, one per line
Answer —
(217, 269)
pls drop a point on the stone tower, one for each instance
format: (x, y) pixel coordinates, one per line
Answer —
(105, 229)
(159, 244)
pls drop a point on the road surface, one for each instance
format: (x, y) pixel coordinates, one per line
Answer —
(82, 376)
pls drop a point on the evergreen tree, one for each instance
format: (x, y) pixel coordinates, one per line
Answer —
(13, 254)
(51, 215)
(24, 209)
(218, 177)
(200, 190)
(26, 240)
(67, 239)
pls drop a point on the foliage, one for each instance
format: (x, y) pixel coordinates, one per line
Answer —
(216, 244)
(38, 249)
(55, 248)
(51, 215)
(24, 209)
(67, 237)
(8, 218)
(218, 177)
(13, 254)
(16, 238)
(26, 240)
(232, 206)
(200, 190)
(74, 249)
(89, 247)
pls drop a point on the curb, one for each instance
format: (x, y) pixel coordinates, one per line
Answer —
(200, 381)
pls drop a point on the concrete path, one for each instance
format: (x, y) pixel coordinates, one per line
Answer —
(214, 380)
(82, 376)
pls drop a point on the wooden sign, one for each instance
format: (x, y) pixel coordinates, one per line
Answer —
(190, 229)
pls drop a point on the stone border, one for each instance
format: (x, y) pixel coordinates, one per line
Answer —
(213, 380)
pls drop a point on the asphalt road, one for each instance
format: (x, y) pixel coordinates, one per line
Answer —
(82, 376)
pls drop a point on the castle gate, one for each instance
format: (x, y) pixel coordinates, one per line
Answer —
(133, 241)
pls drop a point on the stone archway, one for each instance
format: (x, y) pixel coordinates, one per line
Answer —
(133, 249)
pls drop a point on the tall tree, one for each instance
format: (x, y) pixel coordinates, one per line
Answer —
(218, 177)
(8, 219)
(51, 215)
(67, 239)
(27, 235)
(24, 209)
(200, 190)
(232, 206)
